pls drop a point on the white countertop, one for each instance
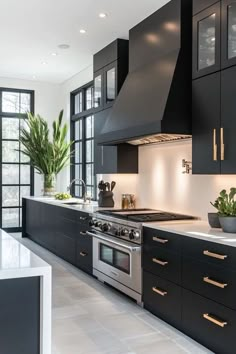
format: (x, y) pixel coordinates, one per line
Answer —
(195, 229)
(17, 261)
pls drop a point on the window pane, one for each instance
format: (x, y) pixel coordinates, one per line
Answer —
(25, 174)
(23, 158)
(10, 128)
(89, 174)
(78, 171)
(89, 98)
(10, 196)
(97, 91)
(10, 174)
(24, 102)
(90, 192)
(24, 192)
(10, 217)
(89, 127)
(111, 84)
(78, 103)
(78, 130)
(9, 151)
(206, 42)
(78, 191)
(78, 153)
(11, 102)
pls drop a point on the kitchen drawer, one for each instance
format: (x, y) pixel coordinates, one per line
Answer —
(162, 298)
(84, 254)
(216, 283)
(162, 262)
(162, 239)
(219, 336)
(210, 252)
(65, 247)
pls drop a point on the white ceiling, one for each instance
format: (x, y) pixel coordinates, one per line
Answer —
(30, 31)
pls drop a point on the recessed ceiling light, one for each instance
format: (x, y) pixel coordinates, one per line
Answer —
(54, 54)
(44, 63)
(103, 15)
(63, 46)
(82, 31)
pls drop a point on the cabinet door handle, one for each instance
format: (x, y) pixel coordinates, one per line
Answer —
(214, 255)
(158, 261)
(214, 282)
(83, 254)
(159, 292)
(214, 320)
(214, 146)
(83, 218)
(222, 145)
(83, 233)
(160, 240)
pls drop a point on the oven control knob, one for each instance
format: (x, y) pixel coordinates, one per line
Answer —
(124, 232)
(92, 222)
(97, 223)
(105, 227)
(134, 235)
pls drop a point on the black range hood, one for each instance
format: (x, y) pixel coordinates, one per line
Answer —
(154, 104)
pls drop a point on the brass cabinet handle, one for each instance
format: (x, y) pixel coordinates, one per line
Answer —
(158, 261)
(83, 233)
(214, 255)
(214, 146)
(159, 292)
(222, 145)
(83, 254)
(214, 282)
(160, 240)
(214, 320)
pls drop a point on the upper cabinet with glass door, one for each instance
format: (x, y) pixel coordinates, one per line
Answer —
(228, 33)
(110, 71)
(207, 41)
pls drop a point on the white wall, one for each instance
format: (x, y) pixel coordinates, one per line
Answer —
(47, 104)
(161, 183)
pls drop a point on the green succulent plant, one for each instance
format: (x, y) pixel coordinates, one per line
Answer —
(226, 203)
(47, 155)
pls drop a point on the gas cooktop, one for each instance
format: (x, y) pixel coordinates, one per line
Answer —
(144, 215)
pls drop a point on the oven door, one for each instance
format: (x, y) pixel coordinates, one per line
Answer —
(118, 259)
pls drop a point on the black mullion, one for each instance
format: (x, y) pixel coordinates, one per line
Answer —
(83, 153)
(1, 159)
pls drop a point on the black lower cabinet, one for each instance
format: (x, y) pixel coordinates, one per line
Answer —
(20, 316)
(209, 323)
(60, 230)
(162, 298)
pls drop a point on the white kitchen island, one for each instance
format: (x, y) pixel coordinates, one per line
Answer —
(25, 299)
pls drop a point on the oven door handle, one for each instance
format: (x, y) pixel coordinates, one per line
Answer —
(108, 239)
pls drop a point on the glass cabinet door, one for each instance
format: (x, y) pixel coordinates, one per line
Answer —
(206, 41)
(110, 85)
(232, 30)
(228, 35)
(98, 90)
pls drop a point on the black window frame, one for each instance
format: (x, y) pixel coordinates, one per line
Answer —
(75, 117)
(31, 185)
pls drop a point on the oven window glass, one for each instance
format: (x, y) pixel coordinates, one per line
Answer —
(116, 258)
(122, 261)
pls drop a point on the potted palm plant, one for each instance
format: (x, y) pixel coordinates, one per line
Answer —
(226, 206)
(48, 155)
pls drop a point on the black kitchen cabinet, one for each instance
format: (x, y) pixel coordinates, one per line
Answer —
(228, 33)
(200, 5)
(59, 229)
(207, 41)
(122, 158)
(206, 124)
(110, 70)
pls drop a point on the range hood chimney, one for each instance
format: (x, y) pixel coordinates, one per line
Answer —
(154, 104)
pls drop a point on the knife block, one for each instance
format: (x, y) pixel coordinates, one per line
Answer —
(105, 199)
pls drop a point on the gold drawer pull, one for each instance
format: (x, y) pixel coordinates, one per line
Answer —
(83, 254)
(160, 240)
(159, 292)
(215, 255)
(222, 145)
(158, 261)
(215, 283)
(214, 320)
(214, 146)
(83, 233)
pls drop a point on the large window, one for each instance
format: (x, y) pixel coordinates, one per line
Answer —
(16, 177)
(82, 129)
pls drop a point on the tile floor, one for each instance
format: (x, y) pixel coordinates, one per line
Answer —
(92, 318)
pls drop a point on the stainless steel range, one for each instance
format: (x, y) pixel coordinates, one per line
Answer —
(117, 246)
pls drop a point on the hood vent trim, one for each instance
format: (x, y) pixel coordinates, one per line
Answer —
(160, 139)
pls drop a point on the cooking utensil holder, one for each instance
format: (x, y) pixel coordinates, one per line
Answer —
(105, 199)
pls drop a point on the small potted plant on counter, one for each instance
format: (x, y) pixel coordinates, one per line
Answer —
(213, 218)
(226, 206)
